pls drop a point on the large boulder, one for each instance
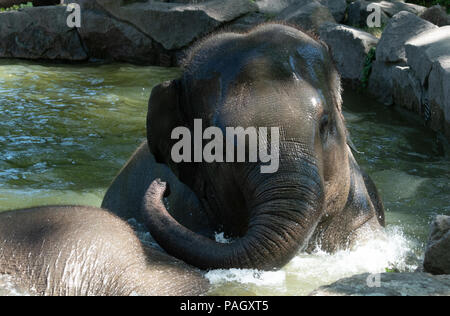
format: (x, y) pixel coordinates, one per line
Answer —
(274, 6)
(349, 47)
(175, 25)
(427, 49)
(437, 255)
(402, 27)
(391, 8)
(358, 12)
(436, 15)
(337, 8)
(247, 22)
(109, 39)
(390, 284)
(428, 55)
(39, 33)
(309, 17)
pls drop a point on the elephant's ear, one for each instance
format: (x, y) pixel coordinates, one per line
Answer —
(163, 117)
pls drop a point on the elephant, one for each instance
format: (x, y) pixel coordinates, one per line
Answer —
(76, 250)
(275, 75)
(36, 3)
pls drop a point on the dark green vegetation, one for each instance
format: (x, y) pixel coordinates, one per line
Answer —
(17, 7)
(368, 67)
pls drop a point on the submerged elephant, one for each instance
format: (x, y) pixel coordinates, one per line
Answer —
(273, 76)
(36, 3)
(87, 251)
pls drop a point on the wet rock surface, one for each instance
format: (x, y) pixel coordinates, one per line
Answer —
(388, 284)
(401, 28)
(349, 47)
(309, 17)
(437, 255)
(39, 33)
(436, 15)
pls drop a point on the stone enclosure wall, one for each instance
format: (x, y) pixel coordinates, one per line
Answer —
(411, 66)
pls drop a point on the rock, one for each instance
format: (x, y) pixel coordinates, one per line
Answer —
(349, 47)
(275, 6)
(391, 8)
(391, 284)
(309, 17)
(428, 55)
(380, 82)
(402, 27)
(247, 22)
(39, 33)
(426, 49)
(110, 39)
(437, 255)
(357, 11)
(439, 95)
(174, 25)
(406, 89)
(338, 8)
(436, 15)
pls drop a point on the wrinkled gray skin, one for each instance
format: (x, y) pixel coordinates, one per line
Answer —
(274, 76)
(72, 250)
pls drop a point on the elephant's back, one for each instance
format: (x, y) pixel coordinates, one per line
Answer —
(61, 250)
(75, 250)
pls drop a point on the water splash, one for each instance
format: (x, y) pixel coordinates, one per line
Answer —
(9, 288)
(306, 272)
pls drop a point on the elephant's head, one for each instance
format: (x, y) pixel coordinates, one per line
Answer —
(273, 76)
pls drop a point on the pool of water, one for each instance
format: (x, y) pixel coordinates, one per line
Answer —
(66, 130)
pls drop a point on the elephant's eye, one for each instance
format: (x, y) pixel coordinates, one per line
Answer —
(324, 122)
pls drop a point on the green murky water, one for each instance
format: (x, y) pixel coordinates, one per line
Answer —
(65, 132)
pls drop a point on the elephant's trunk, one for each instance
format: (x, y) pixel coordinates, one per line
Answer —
(285, 210)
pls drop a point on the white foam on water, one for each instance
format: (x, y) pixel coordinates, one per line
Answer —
(9, 288)
(246, 276)
(306, 272)
(220, 238)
